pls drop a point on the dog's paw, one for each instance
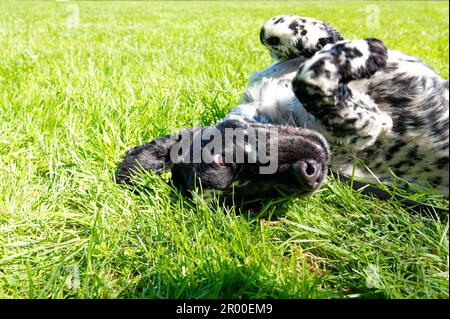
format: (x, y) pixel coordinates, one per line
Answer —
(378, 55)
(317, 78)
(358, 59)
(288, 37)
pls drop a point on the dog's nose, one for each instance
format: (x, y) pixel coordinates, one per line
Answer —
(310, 172)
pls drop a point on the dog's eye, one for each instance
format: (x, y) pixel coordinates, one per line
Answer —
(219, 160)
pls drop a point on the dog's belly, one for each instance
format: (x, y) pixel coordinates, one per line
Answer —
(388, 160)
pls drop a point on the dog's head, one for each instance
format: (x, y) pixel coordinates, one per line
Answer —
(288, 36)
(247, 160)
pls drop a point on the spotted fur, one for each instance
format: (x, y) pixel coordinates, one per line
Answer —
(388, 110)
(288, 36)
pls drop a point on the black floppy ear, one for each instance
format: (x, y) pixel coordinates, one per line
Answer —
(154, 156)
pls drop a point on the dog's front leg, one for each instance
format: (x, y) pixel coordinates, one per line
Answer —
(327, 86)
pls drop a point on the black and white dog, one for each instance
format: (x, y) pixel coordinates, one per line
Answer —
(384, 109)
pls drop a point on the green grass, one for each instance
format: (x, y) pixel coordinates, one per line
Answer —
(72, 101)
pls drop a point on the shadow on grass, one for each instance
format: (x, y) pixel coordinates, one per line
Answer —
(228, 281)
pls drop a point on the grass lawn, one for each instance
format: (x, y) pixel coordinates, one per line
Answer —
(74, 99)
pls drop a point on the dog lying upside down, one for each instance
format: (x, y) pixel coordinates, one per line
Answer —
(384, 108)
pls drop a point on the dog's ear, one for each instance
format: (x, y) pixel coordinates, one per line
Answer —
(154, 156)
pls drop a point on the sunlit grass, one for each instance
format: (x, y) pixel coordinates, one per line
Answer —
(73, 100)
